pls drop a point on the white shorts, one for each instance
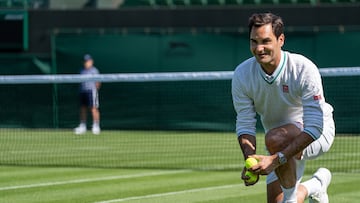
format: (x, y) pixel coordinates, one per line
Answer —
(314, 150)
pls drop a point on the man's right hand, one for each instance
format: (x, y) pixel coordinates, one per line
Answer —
(246, 178)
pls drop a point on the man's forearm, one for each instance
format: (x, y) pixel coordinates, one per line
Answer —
(299, 143)
(247, 144)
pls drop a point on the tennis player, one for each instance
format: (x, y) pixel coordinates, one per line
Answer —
(89, 98)
(285, 90)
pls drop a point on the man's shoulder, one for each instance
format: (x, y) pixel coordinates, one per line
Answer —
(94, 70)
(298, 58)
(245, 66)
(301, 65)
(244, 72)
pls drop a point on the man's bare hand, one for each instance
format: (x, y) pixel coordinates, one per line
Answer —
(246, 178)
(266, 164)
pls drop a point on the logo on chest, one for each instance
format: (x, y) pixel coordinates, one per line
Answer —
(285, 88)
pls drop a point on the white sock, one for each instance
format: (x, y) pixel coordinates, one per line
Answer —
(96, 124)
(289, 194)
(312, 186)
(83, 124)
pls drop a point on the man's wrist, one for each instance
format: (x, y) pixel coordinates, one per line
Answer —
(248, 155)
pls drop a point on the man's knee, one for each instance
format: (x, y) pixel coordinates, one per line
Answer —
(274, 140)
(277, 139)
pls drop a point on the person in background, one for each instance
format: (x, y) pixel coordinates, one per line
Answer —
(285, 90)
(89, 98)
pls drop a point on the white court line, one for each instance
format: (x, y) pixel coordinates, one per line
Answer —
(92, 180)
(171, 193)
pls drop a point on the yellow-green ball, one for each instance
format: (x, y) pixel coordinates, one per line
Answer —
(252, 177)
(249, 162)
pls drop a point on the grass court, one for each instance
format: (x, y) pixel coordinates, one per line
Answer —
(146, 166)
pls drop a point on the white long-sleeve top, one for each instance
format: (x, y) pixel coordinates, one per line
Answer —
(293, 93)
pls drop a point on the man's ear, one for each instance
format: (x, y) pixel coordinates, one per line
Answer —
(281, 39)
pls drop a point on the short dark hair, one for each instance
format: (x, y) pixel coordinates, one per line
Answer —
(260, 19)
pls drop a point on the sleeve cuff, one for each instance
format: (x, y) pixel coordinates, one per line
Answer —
(245, 133)
(313, 132)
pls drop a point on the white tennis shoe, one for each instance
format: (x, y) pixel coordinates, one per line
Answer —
(324, 176)
(80, 130)
(95, 129)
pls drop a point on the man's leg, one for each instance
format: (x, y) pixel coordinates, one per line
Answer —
(276, 140)
(316, 187)
(96, 120)
(81, 129)
(96, 115)
(94, 103)
(83, 114)
(274, 192)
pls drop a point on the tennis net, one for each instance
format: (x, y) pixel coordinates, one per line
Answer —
(151, 120)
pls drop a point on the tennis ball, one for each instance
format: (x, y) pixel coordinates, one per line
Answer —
(252, 177)
(249, 162)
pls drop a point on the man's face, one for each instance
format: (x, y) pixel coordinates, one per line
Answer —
(88, 63)
(265, 46)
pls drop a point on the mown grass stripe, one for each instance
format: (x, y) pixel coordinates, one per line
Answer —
(171, 193)
(92, 180)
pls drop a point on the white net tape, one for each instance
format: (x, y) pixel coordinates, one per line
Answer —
(150, 77)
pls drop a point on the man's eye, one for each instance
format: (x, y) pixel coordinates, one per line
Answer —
(253, 42)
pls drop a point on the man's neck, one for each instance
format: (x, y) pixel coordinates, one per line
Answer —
(269, 69)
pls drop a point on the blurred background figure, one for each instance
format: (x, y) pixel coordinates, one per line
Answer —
(89, 98)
